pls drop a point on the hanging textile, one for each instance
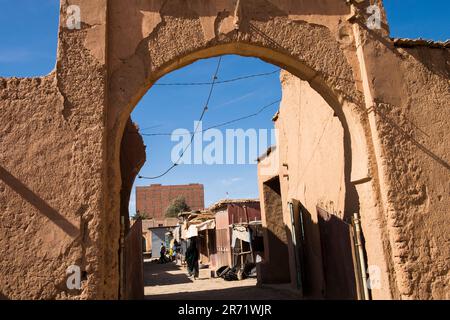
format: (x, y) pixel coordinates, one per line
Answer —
(191, 232)
(207, 225)
(177, 233)
(240, 232)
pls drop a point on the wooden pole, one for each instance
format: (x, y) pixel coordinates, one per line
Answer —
(248, 226)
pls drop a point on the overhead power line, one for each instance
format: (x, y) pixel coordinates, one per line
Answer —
(205, 108)
(260, 110)
(218, 82)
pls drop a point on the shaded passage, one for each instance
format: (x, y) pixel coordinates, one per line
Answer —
(170, 281)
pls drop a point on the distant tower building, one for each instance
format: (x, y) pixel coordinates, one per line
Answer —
(153, 200)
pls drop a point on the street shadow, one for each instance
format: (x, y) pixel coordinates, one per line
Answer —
(238, 293)
(275, 266)
(403, 134)
(310, 251)
(37, 202)
(159, 274)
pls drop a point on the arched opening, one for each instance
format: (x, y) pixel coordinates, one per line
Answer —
(328, 127)
(63, 184)
(168, 37)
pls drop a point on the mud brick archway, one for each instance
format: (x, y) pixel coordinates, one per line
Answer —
(60, 174)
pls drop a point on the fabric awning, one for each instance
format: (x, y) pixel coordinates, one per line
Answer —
(193, 229)
(207, 225)
(191, 232)
(240, 232)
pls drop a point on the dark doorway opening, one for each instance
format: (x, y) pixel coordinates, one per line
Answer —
(275, 268)
(337, 259)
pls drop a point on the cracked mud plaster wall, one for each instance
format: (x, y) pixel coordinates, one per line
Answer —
(132, 158)
(50, 183)
(310, 164)
(411, 88)
(311, 150)
(61, 134)
(318, 154)
(148, 39)
(51, 175)
(412, 111)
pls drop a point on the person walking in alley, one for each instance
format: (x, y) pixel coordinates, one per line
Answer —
(175, 251)
(192, 257)
(162, 252)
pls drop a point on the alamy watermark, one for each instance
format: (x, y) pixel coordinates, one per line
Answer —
(73, 281)
(73, 20)
(374, 277)
(215, 147)
(374, 19)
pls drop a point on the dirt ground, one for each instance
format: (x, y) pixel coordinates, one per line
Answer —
(171, 281)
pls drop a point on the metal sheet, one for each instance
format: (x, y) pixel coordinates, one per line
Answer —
(223, 247)
(158, 237)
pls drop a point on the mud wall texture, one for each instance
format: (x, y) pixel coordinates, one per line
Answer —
(51, 181)
(310, 161)
(275, 235)
(317, 163)
(411, 92)
(312, 145)
(311, 152)
(61, 135)
(132, 158)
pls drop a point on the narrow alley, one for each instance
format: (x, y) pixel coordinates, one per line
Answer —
(171, 281)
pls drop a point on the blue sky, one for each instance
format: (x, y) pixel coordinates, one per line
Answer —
(28, 33)
(164, 109)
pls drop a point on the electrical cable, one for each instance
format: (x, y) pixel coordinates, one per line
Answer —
(205, 108)
(218, 82)
(215, 126)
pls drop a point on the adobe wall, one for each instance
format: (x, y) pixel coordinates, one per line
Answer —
(132, 158)
(52, 187)
(61, 134)
(410, 88)
(147, 234)
(276, 237)
(414, 139)
(311, 152)
(51, 181)
(315, 167)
